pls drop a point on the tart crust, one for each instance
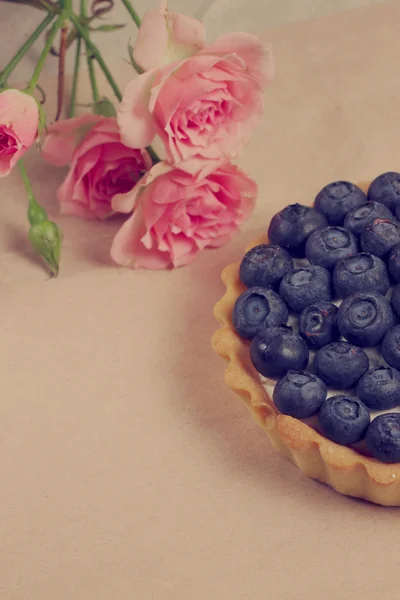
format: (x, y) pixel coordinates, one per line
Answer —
(343, 468)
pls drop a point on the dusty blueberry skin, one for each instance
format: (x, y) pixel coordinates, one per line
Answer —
(390, 348)
(291, 227)
(278, 350)
(340, 364)
(337, 199)
(302, 286)
(396, 299)
(344, 419)
(256, 309)
(357, 220)
(318, 324)
(360, 273)
(326, 246)
(380, 237)
(383, 438)
(386, 189)
(264, 266)
(364, 318)
(299, 394)
(379, 388)
(394, 264)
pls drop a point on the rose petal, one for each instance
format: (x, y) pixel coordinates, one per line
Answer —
(247, 46)
(127, 248)
(151, 44)
(134, 118)
(125, 203)
(64, 136)
(19, 112)
(166, 37)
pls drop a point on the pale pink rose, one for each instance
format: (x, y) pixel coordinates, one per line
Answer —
(176, 215)
(101, 167)
(165, 37)
(202, 107)
(64, 136)
(19, 117)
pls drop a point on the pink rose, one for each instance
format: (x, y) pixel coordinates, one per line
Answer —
(19, 117)
(201, 107)
(64, 136)
(101, 167)
(165, 37)
(176, 215)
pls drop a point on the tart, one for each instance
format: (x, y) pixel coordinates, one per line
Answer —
(344, 463)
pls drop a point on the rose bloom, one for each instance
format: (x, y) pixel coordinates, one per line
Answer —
(176, 215)
(101, 167)
(204, 104)
(19, 117)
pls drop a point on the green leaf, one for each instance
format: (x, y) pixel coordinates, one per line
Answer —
(108, 27)
(42, 126)
(134, 64)
(104, 107)
(42, 120)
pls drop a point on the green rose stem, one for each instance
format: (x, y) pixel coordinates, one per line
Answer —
(44, 235)
(132, 12)
(92, 76)
(90, 58)
(5, 73)
(61, 67)
(72, 105)
(95, 54)
(39, 4)
(57, 25)
(67, 9)
(153, 155)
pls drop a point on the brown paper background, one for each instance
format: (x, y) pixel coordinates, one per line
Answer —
(128, 469)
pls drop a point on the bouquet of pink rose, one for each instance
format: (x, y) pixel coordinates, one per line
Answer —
(200, 100)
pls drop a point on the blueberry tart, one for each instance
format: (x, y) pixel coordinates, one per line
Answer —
(309, 329)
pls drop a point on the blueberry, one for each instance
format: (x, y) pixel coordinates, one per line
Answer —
(344, 419)
(340, 364)
(256, 309)
(326, 246)
(265, 265)
(394, 264)
(358, 219)
(291, 227)
(278, 350)
(390, 348)
(380, 237)
(337, 199)
(396, 299)
(360, 273)
(302, 286)
(364, 318)
(318, 326)
(383, 438)
(379, 388)
(299, 394)
(386, 189)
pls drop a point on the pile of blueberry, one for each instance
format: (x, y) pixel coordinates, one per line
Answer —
(346, 249)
